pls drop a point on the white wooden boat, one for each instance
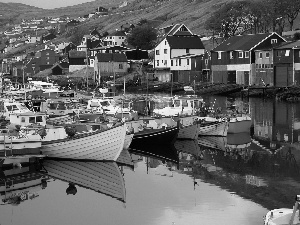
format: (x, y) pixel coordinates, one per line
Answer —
(283, 216)
(94, 145)
(214, 128)
(125, 158)
(188, 146)
(103, 177)
(128, 140)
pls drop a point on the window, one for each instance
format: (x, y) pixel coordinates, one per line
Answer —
(241, 54)
(165, 42)
(172, 62)
(287, 52)
(22, 119)
(31, 119)
(157, 62)
(165, 51)
(187, 62)
(206, 61)
(219, 55)
(187, 51)
(157, 52)
(179, 62)
(273, 41)
(120, 66)
(92, 61)
(246, 54)
(260, 55)
(47, 53)
(176, 62)
(47, 58)
(231, 54)
(39, 119)
(165, 63)
(267, 54)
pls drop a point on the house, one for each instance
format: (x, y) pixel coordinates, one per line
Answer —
(33, 40)
(101, 11)
(233, 61)
(95, 35)
(136, 54)
(109, 64)
(108, 49)
(69, 47)
(77, 60)
(173, 51)
(286, 60)
(127, 27)
(33, 66)
(117, 38)
(264, 73)
(60, 68)
(48, 58)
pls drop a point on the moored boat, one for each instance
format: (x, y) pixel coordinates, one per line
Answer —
(214, 142)
(214, 128)
(283, 216)
(239, 124)
(93, 145)
(153, 137)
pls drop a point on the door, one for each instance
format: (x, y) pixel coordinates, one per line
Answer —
(283, 76)
(231, 79)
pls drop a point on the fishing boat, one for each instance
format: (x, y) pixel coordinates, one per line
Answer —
(213, 128)
(153, 137)
(239, 124)
(102, 177)
(125, 159)
(20, 184)
(180, 106)
(101, 144)
(284, 215)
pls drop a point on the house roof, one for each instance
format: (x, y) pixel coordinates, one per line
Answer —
(111, 57)
(176, 30)
(289, 45)
(242, 42)
(183, 42)
(62, 65)
(77, 54)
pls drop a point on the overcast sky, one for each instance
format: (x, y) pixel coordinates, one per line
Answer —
(48, 4)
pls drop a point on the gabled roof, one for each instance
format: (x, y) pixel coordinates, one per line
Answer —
(62, 65)
(242, 42)
(183, 42)
(77, 54)
(111, 57)
(177, 29)
(289, 45)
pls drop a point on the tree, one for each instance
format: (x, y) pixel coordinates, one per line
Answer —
(76, 34)
(292, 11)
(143, 37)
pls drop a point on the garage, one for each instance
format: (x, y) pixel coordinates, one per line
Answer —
(283, 76)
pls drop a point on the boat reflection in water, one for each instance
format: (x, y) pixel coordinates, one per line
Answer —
(20, 184)
(103, 177)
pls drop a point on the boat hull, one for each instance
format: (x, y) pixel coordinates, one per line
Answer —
(94, 145)
(214, 128)
(128, 140)
(154, 137)
(239, 125)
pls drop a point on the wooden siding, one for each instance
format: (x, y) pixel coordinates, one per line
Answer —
(267, 43)
(280, 56)
(263, 77)
(226, 60)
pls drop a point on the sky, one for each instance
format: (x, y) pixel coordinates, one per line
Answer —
(48, 4)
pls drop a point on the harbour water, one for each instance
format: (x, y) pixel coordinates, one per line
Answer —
(233, 180)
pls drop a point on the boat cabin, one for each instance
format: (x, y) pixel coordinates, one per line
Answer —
(9, 106)
(59, 107)
(28, 118)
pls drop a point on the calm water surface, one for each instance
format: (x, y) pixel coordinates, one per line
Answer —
(231, 180)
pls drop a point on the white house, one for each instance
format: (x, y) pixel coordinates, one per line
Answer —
(115, 39)
(173, 51)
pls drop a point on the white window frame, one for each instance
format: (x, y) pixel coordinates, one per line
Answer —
(231, 54)
(260, 55)
(247, 54)
(241, 55)
(219, 55)
(267, 56)
(273, 41)
(287, 52)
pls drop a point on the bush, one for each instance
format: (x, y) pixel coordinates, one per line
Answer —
(296, 36)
